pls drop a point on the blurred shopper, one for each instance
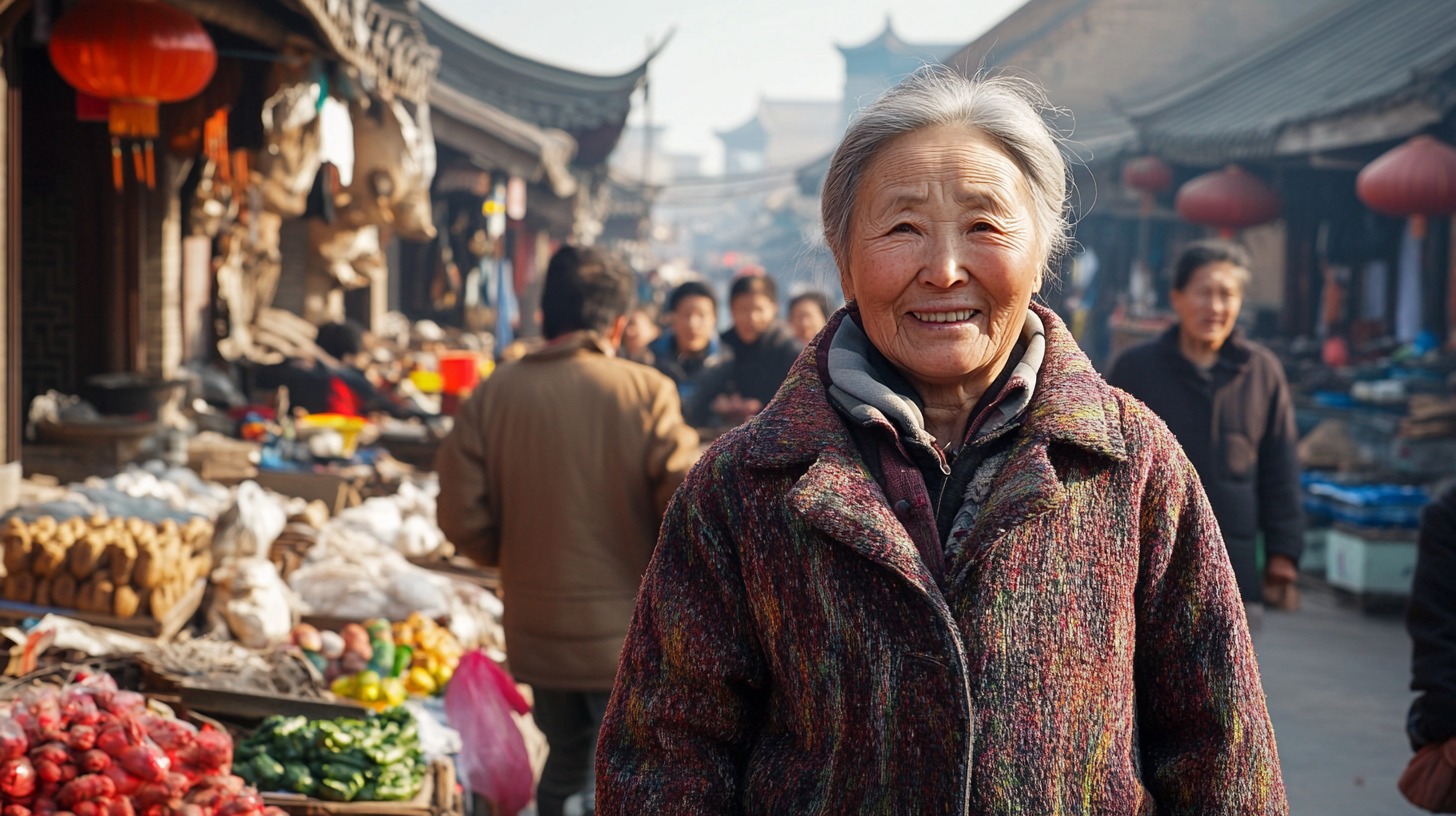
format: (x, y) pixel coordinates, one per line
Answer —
(641, 331)
(1227, 401)
(558, 471)
(763, 350)
(808, 312)
(1430, 779)
(692, 346)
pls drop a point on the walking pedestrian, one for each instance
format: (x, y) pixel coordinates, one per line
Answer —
(557, 471)
(1226, 399)
(948, 569)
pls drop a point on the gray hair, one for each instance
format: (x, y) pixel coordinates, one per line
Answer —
(1006, 109)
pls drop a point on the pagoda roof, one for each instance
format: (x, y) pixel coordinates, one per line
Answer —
(593, 108)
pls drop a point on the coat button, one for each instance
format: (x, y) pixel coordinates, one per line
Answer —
(902, 507)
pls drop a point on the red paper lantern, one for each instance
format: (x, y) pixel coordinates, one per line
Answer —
(1147, 174)
(135, 54)
(1417, 178)
(1229, 199)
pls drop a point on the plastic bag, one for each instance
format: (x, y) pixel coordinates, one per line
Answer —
(493, 760)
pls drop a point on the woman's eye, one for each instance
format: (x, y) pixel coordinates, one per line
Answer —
(981, 226)
(903, 227)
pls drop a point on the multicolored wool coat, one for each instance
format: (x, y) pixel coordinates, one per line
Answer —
(791, 655)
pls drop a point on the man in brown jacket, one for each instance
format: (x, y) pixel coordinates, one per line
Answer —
(558, 471)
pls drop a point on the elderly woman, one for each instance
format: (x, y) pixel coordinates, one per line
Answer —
(948, 569)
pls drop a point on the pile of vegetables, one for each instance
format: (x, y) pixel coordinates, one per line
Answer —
(120, 567)
(89, 749)
(379, 663)
(374, 759)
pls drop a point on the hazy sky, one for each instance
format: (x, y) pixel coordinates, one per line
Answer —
(723, 55)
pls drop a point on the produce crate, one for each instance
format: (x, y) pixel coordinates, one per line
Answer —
(437, 797)
(1371, 564)
(172, 623)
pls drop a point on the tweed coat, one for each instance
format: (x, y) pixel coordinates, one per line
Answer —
(790, 653)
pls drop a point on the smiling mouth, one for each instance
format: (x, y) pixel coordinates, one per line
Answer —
(945, 317)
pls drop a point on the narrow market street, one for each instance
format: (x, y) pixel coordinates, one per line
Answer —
(1337, 683)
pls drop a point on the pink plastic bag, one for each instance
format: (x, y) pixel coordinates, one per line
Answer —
(493, 761)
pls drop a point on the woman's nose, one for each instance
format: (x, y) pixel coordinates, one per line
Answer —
(947, 265)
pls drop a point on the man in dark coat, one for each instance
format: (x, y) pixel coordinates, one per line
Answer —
(690, 351)
(1227, 401)
(762, 352)
(1430, 779)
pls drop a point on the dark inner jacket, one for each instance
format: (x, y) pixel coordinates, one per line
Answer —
(1236, 424)
(1431, 620)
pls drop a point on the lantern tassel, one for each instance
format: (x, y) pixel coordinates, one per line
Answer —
(116, 174)
(1418, 226)
(138, 166)
(151, 165)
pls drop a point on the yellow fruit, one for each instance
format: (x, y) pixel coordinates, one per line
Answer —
(369, 689)
(346, 686)
(443, 675)
(394, 691)
(419, 681)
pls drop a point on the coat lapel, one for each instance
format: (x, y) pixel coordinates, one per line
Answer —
(838, 497)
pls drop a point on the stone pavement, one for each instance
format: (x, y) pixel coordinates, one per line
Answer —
(1338, 686)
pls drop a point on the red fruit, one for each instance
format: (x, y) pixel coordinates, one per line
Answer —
(248, 801)
(17, 779)
(56, 752)
(69, 772)
(113, 741)
(94, 761)
(82, 737)
(146, 762)
(89, 808)
(13, 743)
(79, 707)
(171, 735)
(120, 806)
(15, 810)
(85, 788)
(47, 772)
(121, 703)
(210, 749)
(125, 783)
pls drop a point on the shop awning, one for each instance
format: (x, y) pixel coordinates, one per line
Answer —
(497, 139)
(1364, 72)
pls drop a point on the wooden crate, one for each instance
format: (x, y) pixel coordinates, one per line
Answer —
(176, 618)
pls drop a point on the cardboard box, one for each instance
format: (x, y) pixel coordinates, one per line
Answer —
(1381, 565)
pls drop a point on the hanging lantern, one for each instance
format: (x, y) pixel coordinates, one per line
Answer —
(1416, 179)
(135, 54)
(1147, 174)
(1229, 199)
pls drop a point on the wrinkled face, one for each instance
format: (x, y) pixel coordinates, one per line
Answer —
(943, 256)
(1208, 305)
(753, 313)
(805, 320)
(694, 323)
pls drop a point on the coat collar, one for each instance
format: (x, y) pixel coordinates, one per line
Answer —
(838, 495)
(1235, 351)
(568, 345)
(1072, 405)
